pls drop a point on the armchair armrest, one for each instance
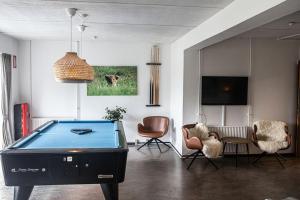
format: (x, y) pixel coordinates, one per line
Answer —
(215, 134)
(289, 139)
(141, 128)
(254, 137)
(194, 143)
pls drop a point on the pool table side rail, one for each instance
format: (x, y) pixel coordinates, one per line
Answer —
(14, 148)
(34, 133)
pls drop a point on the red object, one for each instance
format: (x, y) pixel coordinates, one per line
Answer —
(25, 119)
(21, 120)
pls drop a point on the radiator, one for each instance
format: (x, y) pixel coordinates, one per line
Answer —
(38, 121)
(232, 131)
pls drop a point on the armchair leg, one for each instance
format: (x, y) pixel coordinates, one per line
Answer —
(188, 156)
(157, 145)
(211, 162)
(195, 156)
(259, 157)
(146, 143)
(163, 142)
(281, 156)
(278, 159)
(224, 147)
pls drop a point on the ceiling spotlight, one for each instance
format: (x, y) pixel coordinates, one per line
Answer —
(83, 15)
(291, 23)
(71, 11)
(81, 27)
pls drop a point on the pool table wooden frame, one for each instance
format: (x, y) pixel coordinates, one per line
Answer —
(25, 168)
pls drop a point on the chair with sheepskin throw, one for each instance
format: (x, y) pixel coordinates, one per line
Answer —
(197, 137)
(271, 137)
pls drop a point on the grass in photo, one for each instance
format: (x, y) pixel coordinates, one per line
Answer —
(113, 81)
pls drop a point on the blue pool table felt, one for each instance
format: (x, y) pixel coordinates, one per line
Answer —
(59, 135)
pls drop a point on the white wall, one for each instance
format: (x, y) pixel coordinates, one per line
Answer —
(176, 101)
(10, 45)
(191, 86)
(52, 99)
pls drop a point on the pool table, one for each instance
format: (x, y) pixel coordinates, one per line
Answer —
(59, 153)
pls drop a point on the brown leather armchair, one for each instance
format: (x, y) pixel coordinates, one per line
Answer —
(154, 127)
(195, 143)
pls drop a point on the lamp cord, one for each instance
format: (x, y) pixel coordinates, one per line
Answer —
(71, 34)
(81, 43)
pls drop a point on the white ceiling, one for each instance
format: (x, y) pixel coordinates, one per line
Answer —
(277, 29)
(160, 21)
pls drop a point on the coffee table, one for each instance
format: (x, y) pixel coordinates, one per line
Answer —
(236, 141)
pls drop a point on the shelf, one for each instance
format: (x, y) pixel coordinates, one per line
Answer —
(153, 63)
(153, 105)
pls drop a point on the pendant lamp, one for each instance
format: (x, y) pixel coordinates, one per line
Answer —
(71, 68)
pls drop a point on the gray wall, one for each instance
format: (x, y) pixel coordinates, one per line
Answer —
(228, 58)
(274, 81)
(272, 71)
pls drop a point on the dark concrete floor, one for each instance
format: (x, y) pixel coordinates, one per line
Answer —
(155, 176)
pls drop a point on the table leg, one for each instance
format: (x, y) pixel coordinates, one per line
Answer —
(110, 191)
(224, 147)
(236, 154)
(22, 192)
(247, 145)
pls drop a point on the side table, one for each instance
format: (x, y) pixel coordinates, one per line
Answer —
(236, 141)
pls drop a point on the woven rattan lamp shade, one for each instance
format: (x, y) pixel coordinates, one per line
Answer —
(72, 69)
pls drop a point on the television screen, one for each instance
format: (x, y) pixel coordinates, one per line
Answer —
(221, 90)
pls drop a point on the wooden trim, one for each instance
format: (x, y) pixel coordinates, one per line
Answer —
(297, 134)
(153, 63)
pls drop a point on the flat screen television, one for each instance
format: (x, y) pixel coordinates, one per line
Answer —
(224, 90)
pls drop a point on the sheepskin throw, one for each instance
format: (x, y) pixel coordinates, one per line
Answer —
(200, 131)
(271, 135)
(212, 147)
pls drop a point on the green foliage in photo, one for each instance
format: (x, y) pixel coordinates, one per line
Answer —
(125, 85)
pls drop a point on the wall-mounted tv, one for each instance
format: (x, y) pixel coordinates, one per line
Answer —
(224, 90)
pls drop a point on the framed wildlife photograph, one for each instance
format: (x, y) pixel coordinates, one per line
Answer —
(113, 81)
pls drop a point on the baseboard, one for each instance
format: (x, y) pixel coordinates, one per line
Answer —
(179, 154)
(173, 147)
(182, 156)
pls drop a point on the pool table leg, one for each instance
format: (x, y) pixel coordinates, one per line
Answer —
(22, 192)
(110, 191)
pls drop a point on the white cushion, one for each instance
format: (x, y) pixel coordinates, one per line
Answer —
(271, 135)
(212, 147)
(200, 131)
(271, 146)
